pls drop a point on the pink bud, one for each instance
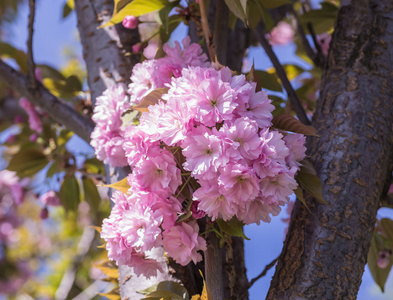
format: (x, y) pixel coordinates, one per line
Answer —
(18, 119)
(137, 48)
(197, 213)
(130, 22)
(33, 137)
(44, 213)
(384, 258)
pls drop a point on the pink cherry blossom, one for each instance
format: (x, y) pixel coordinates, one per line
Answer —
(282, 34)
(213, 202)
(202, 148)
(50, 199)
(157, 172)
(238, 183)
(242, 138)
(182, 243)
(297, 150)
(35, 122)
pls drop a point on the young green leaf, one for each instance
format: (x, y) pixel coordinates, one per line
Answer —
(380, 275)
(238, 8)
(69, 193)
(269, 81)
(164, 14)
(308, 180)
(91, 194)
(136, 8)
(112, 295)
(233, 227)
(109, 268)
(27, 162)
(165, 289)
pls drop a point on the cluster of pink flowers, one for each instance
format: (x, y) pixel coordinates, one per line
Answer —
(207, 144)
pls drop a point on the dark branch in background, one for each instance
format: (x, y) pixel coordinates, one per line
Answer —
(263, 273)
(30, 59)
(206, 30)
(55, 107)
(69, 276)
(220, 36)
(293, 98)
(317, 57)
(317, 46)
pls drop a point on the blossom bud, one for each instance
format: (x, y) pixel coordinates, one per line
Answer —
(137, 48)
(44, 213)
(384, 258)
(130, 22)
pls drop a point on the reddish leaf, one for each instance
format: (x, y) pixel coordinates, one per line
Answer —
(151, 99)
(289, 123)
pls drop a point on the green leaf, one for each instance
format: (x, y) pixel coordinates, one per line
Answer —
(27, 162)
(150, 99)
(68, 8)
(54, 168)
(269, 81)
(299, 194)
(274, 3)
(94, 166)
(165, 289)
(308, 180)
(112, 295)
(173, 22)
(238, 8)
(50, 72)
(288, 123)
(109, 268)
(164, 14)
(136, 8)
(69, 193)
(119, 4)
(256, 11)
(387, 225)
(380, 275)
(279, 105)
(322, 19)
(6, 50)
(121, 185)
(233, 227)
(293, 71)
(91, 194)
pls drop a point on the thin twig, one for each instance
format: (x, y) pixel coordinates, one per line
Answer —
(293, 98)
(30, 59)
(263, 273)
(206, 31)
(306, 45)
(320, 54)
(55, 107)
(220, 35)
(69, 276)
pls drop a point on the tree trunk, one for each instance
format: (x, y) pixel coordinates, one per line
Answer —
(325, 252)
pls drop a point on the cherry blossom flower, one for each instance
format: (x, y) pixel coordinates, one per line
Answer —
(182, 243)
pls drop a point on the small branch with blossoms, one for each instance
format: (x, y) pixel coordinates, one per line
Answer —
(202, 151)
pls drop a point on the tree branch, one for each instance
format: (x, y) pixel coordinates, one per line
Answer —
(220, 36)
(206, 30)
(316, 57)
(55, 107)
(30, 58)
(293, 98)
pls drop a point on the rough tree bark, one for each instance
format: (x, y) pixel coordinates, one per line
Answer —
(325, 252)
(104, 51)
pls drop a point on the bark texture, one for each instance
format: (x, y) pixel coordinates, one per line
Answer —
(104, 49)
(325, 251)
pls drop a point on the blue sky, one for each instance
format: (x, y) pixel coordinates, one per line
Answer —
(53, 35)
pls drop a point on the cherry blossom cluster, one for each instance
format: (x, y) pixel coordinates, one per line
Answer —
(205, 148)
